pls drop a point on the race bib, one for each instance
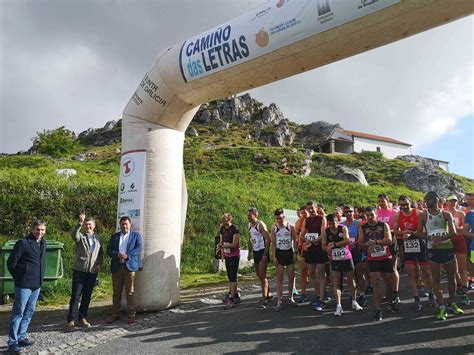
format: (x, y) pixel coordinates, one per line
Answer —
(283, 242)
(378, 251)
(227, 250)
(312, 237)
(412, 246)
(339, 254)
(436, 233)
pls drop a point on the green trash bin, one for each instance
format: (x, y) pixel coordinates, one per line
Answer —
(54, 267)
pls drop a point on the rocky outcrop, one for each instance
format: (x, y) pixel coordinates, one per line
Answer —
(111, 133)
(421, 161)
(67, 173)
(351, 175)
(425, 178)
(315, 133)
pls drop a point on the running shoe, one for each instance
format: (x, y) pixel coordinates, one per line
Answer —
(423, 292)
(362, 300)
(263, 305)
(269, 297)
(229, 303)
(339, 311)
(459, 291)
(292, 302)
(369, 289)
(237, 299)
(466, 300)
(396, 300)
(431, 300)
(453, 308)
(318, 306)
(356, 306)
(315, 301)
(279, 306)
(226, 297)
(418, 305)
(393, 307)
(442, 314)
(378, 315)
(302, 298)
(327, 298)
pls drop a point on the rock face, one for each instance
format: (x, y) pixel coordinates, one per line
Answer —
(350, 175)
(419, 161)
(426, 178)
(315, 133)
(109, 134)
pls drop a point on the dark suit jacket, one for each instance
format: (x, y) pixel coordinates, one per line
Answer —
(27, 262)
(134, 251)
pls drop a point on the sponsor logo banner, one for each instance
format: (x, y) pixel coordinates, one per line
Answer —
(271, 26)
(132, 188)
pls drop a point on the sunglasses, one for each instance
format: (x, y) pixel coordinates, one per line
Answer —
(348, 211)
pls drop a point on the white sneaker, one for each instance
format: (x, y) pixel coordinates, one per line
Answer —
(356, 306)
(339, 311)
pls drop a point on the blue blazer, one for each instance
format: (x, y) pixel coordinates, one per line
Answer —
(134, 252)
(27, 262)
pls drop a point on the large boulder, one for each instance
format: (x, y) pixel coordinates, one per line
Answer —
(272, 115)
(351, 175)
(419, 161)
(425, 178)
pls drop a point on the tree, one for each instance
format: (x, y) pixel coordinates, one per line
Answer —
(55, 142)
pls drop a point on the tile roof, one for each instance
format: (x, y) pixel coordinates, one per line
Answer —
(372, 136)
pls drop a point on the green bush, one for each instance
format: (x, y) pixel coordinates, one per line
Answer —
(55, 142)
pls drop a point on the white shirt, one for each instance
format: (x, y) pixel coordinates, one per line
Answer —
(91, 240)
(123, 242)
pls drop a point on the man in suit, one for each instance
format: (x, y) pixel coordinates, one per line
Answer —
(125, 249)
(27, 264)
(88, 261)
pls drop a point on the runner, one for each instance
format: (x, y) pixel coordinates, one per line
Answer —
(386, 214)
(375, 236)
(230, 245)
(353, 230)
(460, 249)
(339, 215)
(439, 232)
(335, 240)
(314, 256)
(420, 205)
(302, 215)
(405, 226)
(259, 246)
(283, 238)
(468, 231)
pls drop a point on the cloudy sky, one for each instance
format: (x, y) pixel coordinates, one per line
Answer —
(77, 62)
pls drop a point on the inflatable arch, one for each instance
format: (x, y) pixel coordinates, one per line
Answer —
(276, 40)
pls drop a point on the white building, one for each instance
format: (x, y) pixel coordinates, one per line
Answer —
(344, 141)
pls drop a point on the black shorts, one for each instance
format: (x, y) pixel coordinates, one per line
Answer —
(258, 255)
(232, 266)
(316, 256)
(440, 256)
(285, 257)
(342, 265)
(384, 266)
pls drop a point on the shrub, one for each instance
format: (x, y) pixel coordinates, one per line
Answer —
(55, 142)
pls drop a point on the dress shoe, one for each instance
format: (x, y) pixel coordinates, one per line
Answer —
(70, 326)
(113, 319)
(84, 323)
(25, 342)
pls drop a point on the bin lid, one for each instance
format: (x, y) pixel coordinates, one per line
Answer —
(50, 244)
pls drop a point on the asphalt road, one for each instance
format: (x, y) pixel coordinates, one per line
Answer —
(244, 329)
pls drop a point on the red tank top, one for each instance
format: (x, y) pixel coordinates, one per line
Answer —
(409, 222)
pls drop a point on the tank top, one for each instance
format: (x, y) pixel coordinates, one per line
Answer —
(376, 232)
(338, 253)
(386, 216)
(437, 225)
(256, 237)
(283, 238)
(410, 223)
(458, 223)
(313, 230)
(353, 230)
(228, 237)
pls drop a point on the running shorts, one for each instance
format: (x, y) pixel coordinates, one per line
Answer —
(285, 257)
(384, 266)
(342, 265)
(441, 256)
